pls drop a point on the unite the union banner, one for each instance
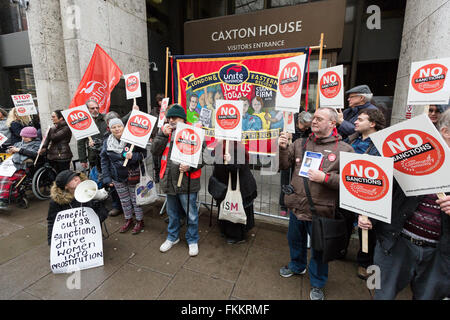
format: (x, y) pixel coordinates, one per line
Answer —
(200, 80)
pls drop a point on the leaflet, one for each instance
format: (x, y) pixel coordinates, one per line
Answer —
(311, 160)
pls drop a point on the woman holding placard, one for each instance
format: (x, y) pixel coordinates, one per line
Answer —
(16, 123)
(124, 179)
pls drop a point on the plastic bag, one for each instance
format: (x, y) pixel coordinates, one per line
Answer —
(145, 189)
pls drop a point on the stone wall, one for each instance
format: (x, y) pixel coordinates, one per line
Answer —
(426, 35)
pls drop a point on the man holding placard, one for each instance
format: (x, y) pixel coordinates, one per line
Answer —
(178, 196)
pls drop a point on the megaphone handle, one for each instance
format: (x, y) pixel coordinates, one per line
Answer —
(126, 160)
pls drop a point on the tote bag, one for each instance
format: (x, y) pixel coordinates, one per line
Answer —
(145, 189)
(232, 208)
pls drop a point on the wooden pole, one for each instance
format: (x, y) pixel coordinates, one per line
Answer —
(365, 236)
(227, 149)
(320, 67)
(167, 71)
(180, 179)
(126, 160)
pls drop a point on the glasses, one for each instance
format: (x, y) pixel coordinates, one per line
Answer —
(94, 107)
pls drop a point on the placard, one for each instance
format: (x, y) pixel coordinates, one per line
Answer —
(138, 128)
(331, 87)
(133, 85)
(366, 185)
(76, 242)
(229, 119)
(3, 139)
(162, 112)
(187, 144)
(7, 168)
(205, 117)
(290, 83)
(429, 83)
(80, 122)
(289, 122)
(421, 157)
(24, 104)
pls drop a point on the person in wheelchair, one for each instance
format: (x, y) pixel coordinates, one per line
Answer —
(23, 154)
(63, 198)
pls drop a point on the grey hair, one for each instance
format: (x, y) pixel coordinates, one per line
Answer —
(367, 96)
(332, 112)
(110, 115)
(305, 117)
(444, 121)
(90, 100)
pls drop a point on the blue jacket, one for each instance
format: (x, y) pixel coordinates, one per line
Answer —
(347, 127)
(251, 122)
(366, 146)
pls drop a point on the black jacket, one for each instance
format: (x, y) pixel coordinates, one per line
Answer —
(57, 142)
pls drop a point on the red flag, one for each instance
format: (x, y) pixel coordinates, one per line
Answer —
(100, 78)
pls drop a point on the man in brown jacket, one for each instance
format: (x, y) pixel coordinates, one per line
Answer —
(324, 188)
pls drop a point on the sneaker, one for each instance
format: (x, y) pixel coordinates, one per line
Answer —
(114, 212)
(167, 245)
(283, 213)
(285, 272)
(193, 249)
(362, 273)
(127, 226)
(138, 227)
(316, 294)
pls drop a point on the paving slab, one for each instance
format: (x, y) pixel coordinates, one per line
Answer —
(36, 212)
(6, 227)
(24, 296)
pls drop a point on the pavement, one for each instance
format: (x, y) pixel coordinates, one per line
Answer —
(135, 269)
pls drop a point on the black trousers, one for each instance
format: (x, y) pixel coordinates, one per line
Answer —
(60, 165)
(237, 231)
(366, 259)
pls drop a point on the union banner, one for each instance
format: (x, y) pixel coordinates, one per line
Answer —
(201, 80)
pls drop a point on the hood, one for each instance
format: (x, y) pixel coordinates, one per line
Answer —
(61, 196)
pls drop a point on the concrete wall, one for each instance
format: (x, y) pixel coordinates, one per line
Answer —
(426, 35)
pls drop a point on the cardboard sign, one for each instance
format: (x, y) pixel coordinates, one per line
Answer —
(421, 157)
(187, 145)
(229, 119)
(24, 104)
(290, 83)
(366, 185)
(429, 83)
(162, 112)
(80, 122)
(138, 128)
(76, 241)
(289, 122)
(7, 168)
(331, 87)
(3, 139)
(133, 85)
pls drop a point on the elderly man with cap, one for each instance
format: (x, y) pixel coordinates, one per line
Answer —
(62, 196)
(183, 198)
(358, 99)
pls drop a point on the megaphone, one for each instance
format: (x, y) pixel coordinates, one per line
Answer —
(88, 190)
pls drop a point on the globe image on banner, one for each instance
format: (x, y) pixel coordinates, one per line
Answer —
(365, 180)
(79, 120)
(289, 80)
(139, 126)
(228, 117)
(429, 78)
(414, 152)
(132, 83)
(330, 84)
(187, 141)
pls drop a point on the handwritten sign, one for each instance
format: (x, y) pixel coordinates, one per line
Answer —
(24, 104)
(80, 122)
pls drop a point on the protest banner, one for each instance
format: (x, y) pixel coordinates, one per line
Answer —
(229, 119)
(428, 83)
(24, 104)
(80, 122)
(420, 155)
(76, 242)
(331, 87)
(290, 83)
(162, 111)
(3, 139)
(133, 86)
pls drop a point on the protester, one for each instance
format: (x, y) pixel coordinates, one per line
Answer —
(177, 197)
(16, 123)
(358, 99)
(414, 249)
(4, 127)
(62, 195)
(21, 152)
(435, 112)
(93, 144)
(56, 144)
(369, 121)
(156, 160)
(323, 185)
(124, 179)
(237, 162)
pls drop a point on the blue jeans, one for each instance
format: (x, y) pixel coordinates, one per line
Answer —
(176, 207)
(297, 239)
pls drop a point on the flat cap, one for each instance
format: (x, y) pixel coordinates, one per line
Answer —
(360, 89)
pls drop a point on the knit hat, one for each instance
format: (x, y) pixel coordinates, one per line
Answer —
(64, 178)
(114, 121)
(28, 132)
(176, 111)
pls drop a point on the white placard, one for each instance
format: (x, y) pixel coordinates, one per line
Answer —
(187, 145)
(80, 122)
(76, 242)
(205, 117)
(290, 83)
(229, 119)
(331, 87)
(429, 83)
(289, 122)
(7, 168)
(311, 160)
(162, 112)
(133, 85)
(421, 157)
(24, 104)
(138, 128)
(365, 185)
(3, 139)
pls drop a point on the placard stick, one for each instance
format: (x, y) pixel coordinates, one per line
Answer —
(126, 160)
(320, 67)
(286, 119)
(227, 149)
(365, 236)
(134, 102)
(180, 179)
(42, 143)
(167, 71)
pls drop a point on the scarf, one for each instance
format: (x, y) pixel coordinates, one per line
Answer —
(114, 145)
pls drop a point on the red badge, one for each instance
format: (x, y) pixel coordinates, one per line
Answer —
(331, 157)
